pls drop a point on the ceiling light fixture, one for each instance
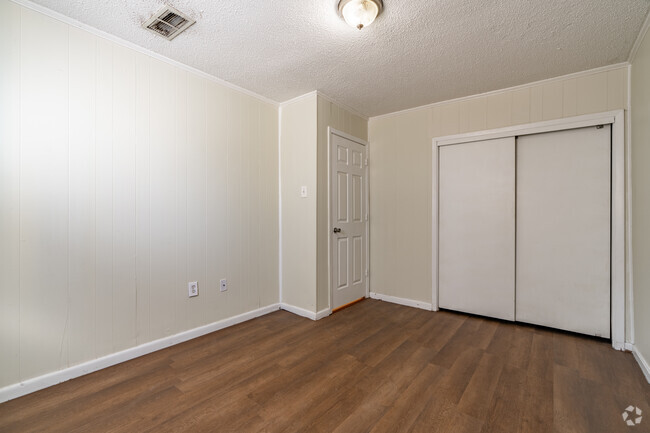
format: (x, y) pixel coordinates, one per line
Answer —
(360, 13)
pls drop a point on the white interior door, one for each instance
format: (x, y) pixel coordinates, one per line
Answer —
(476, 227)
(563, 229)
(349, 220)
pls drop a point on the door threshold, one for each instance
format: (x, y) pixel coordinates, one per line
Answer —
(347, 305)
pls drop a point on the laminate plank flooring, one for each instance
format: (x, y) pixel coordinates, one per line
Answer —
(373, 367)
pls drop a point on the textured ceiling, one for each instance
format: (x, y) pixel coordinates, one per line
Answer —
(417, 52)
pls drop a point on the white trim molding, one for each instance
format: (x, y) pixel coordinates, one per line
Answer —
(298, 311)
(640, 359)
(31, 385)
(402, 301)
(618, 272)
(325, 312)
(71, 21)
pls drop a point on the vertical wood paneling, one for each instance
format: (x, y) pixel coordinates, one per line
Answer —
(269, 205)
(435, 125)
(591, 93)
(124, 249)
(413, 167)
(253, 204)
(640, 134)
(473, 114)
(44, 195)
(196, 194)
(142, 197)
(82, 196)
(553, 100)
(236, 124)
(181, 300)
(520, 106)
(324, 119)
(569, 97)
(9, 193)
(385, 217)
(101, 182)
(299, 166)
(163, 199)
(104, 199)
(617, 88)
(499, 110)
(449, 119)
(244, 191)
(217, 198)
(536, 104)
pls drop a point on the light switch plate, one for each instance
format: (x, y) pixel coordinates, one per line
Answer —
(223, 286)
(303, 191)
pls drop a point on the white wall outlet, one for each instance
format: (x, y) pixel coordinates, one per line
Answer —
(303, 191)
(223, 286)
(193, 289)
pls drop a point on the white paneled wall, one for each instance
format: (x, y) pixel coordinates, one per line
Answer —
(123, 177)
(400, 167)
(641, 197)
(298, 168)
(304, 141)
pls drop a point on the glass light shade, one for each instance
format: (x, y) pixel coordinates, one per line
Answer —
(360, 13)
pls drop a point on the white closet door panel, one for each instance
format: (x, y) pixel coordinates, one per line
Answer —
(563, 230)
(476, 238)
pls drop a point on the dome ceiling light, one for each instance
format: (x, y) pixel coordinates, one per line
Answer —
(360, 13)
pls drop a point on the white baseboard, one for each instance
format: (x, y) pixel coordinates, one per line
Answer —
(640, 359)
(31, 385)
(402, 301)
(305, 313)
(323, 313)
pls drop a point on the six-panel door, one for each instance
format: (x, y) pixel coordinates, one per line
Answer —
(349, 219)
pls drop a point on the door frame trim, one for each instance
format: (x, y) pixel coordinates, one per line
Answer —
(330, 278)
(619, 237)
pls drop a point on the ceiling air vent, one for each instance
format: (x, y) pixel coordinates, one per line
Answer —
(168, 23)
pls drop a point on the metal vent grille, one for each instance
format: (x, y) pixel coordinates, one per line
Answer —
(168, 23)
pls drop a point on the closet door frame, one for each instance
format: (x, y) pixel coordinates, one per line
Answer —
(620, 272)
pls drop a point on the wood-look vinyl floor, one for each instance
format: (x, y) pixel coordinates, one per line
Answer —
(373, 367)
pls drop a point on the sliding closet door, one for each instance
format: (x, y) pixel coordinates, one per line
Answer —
(476, 232)
(563, 230)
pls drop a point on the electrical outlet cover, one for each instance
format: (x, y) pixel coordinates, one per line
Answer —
(193, 289)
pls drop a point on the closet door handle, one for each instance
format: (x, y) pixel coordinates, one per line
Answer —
(337, 230)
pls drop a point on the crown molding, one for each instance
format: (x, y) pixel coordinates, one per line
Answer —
(74, 23)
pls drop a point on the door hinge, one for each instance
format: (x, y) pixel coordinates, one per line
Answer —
(367, 273)
(366, 162)
(366, 217)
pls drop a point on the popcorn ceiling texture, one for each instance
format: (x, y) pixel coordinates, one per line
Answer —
(417, 52)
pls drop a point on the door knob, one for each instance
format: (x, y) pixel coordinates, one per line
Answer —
(337, 230)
